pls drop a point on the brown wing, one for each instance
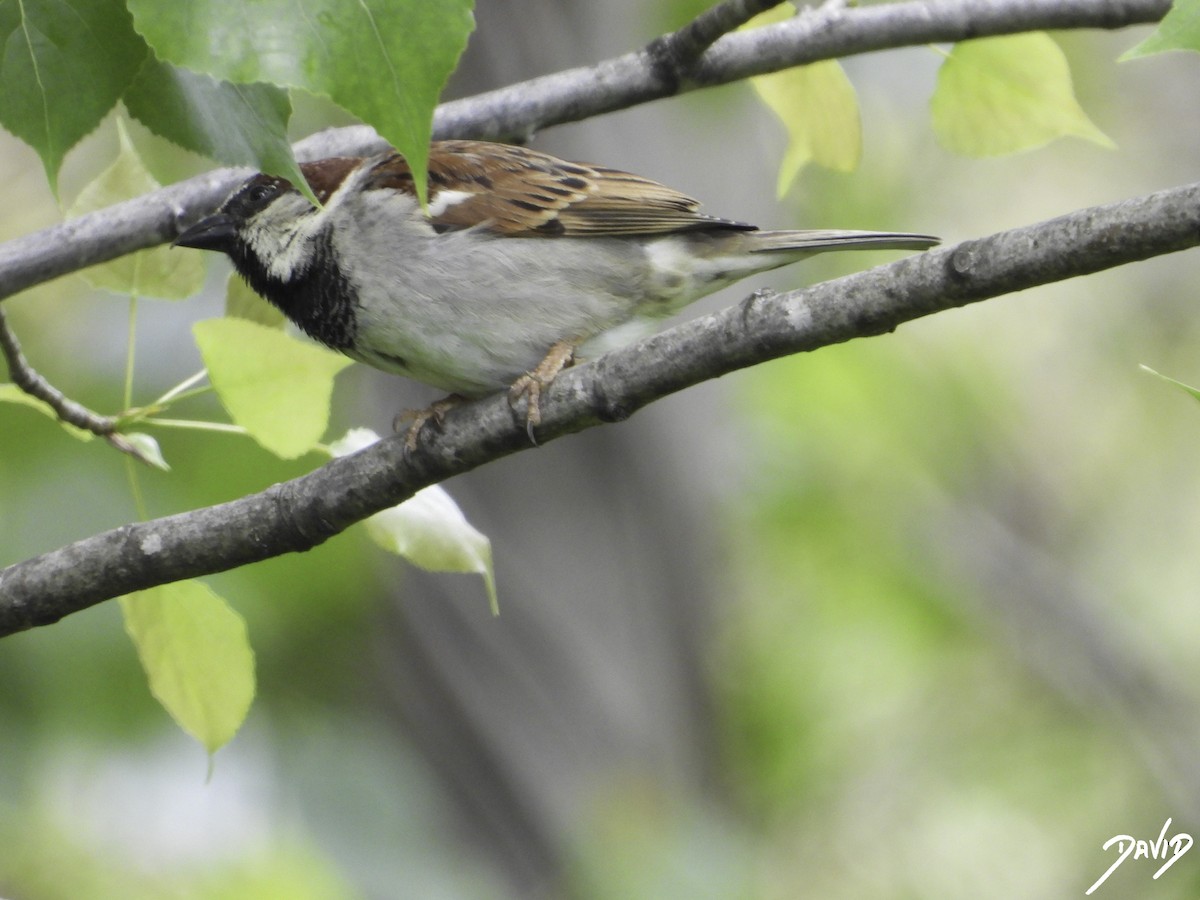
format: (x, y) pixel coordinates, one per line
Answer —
(523, 193)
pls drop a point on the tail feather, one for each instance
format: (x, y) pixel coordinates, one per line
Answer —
(817, 241)
(687, 265)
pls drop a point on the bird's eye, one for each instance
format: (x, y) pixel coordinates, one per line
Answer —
(260, 193)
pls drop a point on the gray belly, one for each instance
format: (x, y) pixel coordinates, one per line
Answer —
(472, 316)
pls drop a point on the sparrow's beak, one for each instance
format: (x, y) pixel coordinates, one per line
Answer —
(216, 232)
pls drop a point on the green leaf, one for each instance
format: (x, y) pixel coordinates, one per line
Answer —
(10, 393)
(194, 649)
(274, 386)
(148, 448)
(236, 124)
(818, 107)
(65, 64)
(1179, 30)
(159, 272)
(1006, 94)
(242, 302)
(428, 529)
(385, 61)
(1186, 388)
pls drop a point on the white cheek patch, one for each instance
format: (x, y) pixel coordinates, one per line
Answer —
(443, 200)
(280, 235)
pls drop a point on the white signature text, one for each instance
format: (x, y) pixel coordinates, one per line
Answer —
(1166, 848)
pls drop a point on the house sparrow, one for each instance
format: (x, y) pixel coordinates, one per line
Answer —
(518, 261)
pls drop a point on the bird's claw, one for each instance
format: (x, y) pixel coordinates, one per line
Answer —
(530, 385)
(416, 418)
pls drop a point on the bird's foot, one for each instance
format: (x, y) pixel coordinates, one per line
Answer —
(415, 419)
(530, 385)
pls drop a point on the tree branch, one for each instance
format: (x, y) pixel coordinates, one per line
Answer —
(673, 55)
(518, 111)
(300, 514)
(830, 32)
(33, 383)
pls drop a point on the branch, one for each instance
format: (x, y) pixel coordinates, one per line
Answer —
(33, 383)
(518, 111)
(829, 32)
(672, 56)
(301, 514)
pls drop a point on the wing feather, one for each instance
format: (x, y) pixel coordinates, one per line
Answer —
(519, 192)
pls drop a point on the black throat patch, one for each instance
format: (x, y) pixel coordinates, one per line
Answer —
(320, 300)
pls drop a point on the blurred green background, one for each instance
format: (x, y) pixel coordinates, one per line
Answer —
(909, 617)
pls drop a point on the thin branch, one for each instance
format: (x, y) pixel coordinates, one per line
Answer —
(673, 55)
(690, 41)
(34, 384)
(301, 514)
(518, 111)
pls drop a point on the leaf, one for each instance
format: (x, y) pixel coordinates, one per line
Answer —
(235, 124)
(147, 448)
(65, 64)
(385, 61)
(1179, 30)
(428, 529)
(1186, 388)
(194, 649)
(159, 272)
(10, 393)
(243, 303)
(274, 386)
(1006, 94)
(818, 107)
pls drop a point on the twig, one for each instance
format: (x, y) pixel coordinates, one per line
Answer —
(34, 384)
(302, 513)
(702, 32)
(517, 111)
(673, 55)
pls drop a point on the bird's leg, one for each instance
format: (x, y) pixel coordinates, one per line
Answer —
(532, 383)
(416, 418)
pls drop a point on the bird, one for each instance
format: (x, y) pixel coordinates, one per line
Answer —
(519, 264)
